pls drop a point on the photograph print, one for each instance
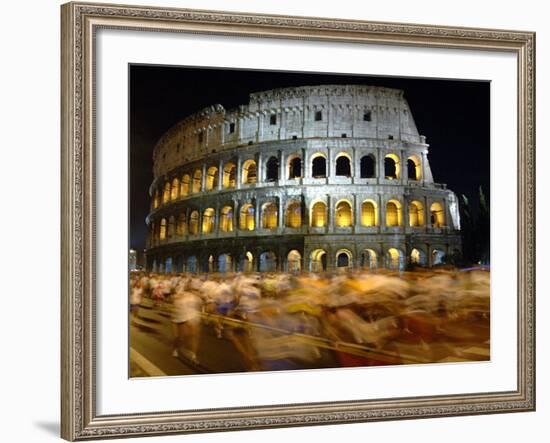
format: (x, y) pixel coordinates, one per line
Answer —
(301, 221)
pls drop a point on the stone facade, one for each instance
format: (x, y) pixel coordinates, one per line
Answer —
(307, 178)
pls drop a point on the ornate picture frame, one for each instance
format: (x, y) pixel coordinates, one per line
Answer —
(80, 22)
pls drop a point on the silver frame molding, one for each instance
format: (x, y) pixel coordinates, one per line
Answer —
(79, 23)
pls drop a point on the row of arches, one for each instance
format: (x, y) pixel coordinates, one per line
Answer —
(195, 222)
(267, 261)
(227, 174)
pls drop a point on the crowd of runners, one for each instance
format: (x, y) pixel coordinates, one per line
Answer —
(428, 315)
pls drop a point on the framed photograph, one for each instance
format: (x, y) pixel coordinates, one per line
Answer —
(284, 221)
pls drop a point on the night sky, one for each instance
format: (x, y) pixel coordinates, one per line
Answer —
(453, 115)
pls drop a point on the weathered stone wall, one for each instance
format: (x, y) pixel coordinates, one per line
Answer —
(354, 111)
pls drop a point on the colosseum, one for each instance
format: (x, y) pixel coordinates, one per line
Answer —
(304, 178)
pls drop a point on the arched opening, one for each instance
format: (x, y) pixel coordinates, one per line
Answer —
(197, 181)
(226, 219)
(319, 215)
(175, 189)
(343, 259)
(192, 264)
(418, 257)
(168, 265)
(343, 214)
(246, 217)
(225, 263)
(194, 223)
(438, 257)
(249, 172)
(393, 213)
(162, 231)
(391, 167)
(414, 168)
(294, 261)
(437, 215)
(181, 227)
(416, 213)
(248, 262)
(318, 166)
(184, 187)
(268, 262)
(294, 215)
(272, 169)
(229, 175)
(395, 259)
(166, 194)
(269, 216)
(369, 259)
(208, 221)
(368, 166)
(211, 178)
(369, 213)
(211, 264)
(318, 260)
(343, 165)
(156, 200)
(171, 227)
(295, 167)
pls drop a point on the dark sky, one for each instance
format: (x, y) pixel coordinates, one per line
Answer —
(453, 115)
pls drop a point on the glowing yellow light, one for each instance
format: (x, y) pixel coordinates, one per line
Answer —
(343, 214)
(319, 215)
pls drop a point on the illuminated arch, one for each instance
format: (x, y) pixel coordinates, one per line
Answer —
(369, 213)
(249, 172)
(208, 221)
(293, 216)
(294, 261)
(211, 182)
(393, 213)
(343, 164)
(319, 214)
(248, 262)
(246, 217)
(175, 189)
(395, 259)
(414, 168)
(226, 219)
(418, 257)
(269, 216)
(184, 186)
(369, 259)
(416, 213)
(197, 181)
(392, 167)
(318, 165)
(437, 215)
(194, 223)
(344, 217)
(229, 175)
(318, 260)
(162, 231)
